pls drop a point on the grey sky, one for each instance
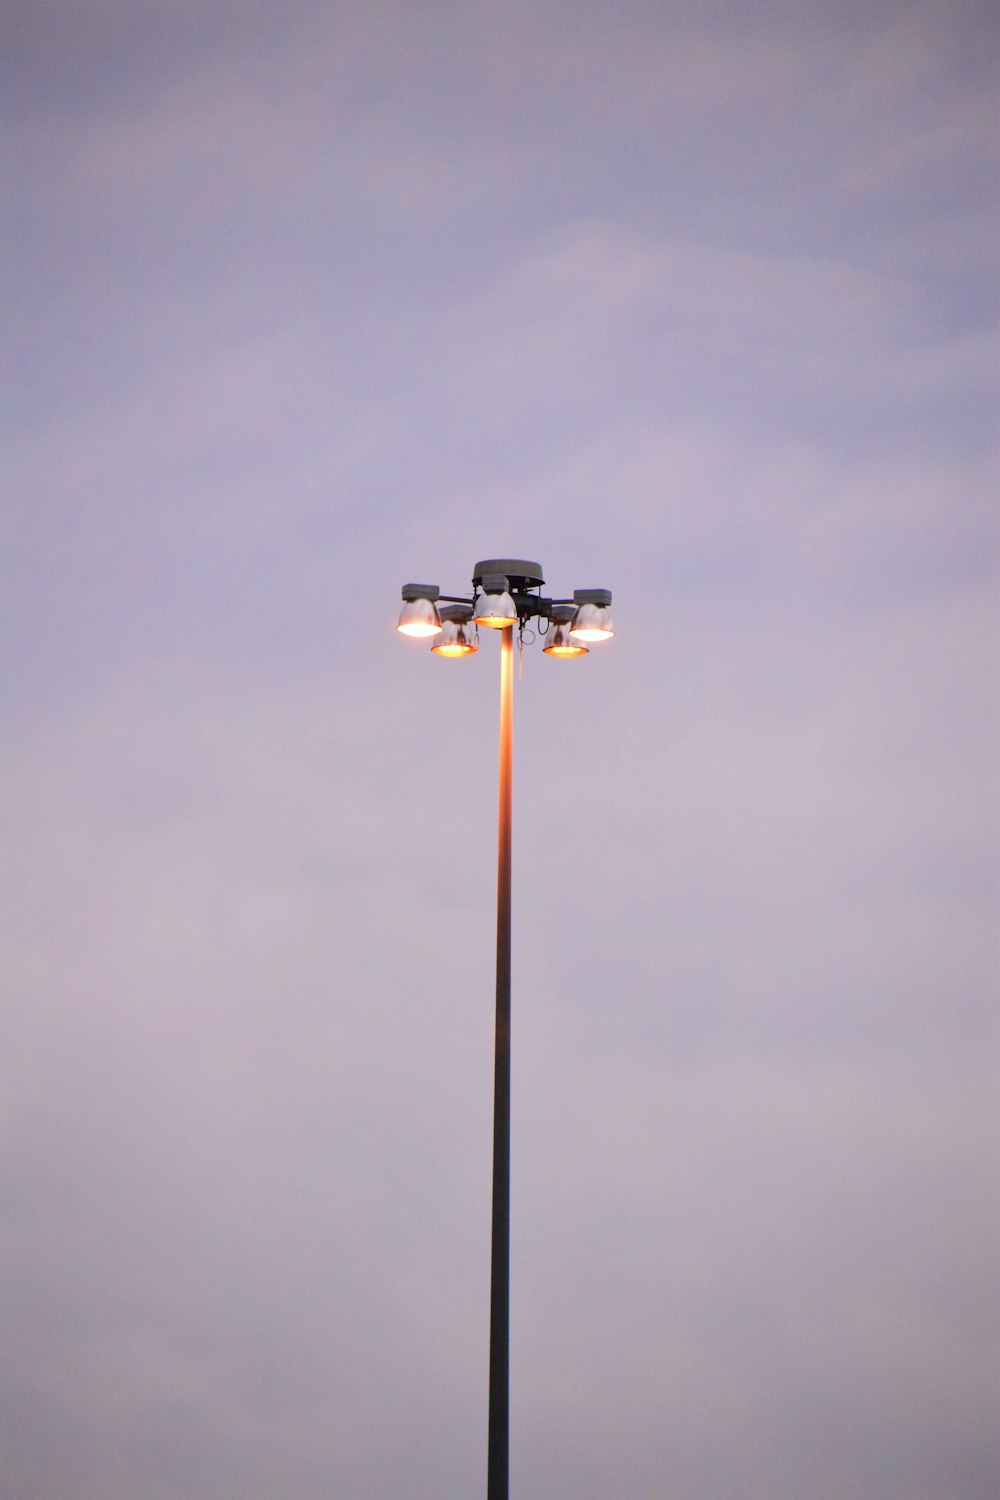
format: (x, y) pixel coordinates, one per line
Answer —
(697, 302)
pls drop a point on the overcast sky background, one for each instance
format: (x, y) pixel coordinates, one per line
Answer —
(692, 301)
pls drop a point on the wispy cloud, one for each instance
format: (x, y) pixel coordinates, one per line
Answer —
(699, 306)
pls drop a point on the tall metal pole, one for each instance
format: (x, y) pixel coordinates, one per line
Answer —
(497, 1482)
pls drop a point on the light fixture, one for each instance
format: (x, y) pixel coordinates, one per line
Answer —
(558, 641)
(506, 592)
(494, 606)
(419, 614)
(454, 639)
(592, 620)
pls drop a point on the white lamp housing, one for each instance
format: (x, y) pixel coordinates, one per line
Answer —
(494, 605)
(592, 620)
(419, 614)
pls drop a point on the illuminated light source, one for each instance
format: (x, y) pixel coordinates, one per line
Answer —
(592, 620)
(419, 617)
(454, 639)
(419, 614)
(559, 642)
(494, 606)
(591, 623)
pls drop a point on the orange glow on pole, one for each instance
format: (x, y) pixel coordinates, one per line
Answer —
(497, 1458)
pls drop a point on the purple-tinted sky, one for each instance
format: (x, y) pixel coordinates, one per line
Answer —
(697, 302)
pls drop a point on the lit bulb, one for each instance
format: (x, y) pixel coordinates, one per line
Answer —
(592, 622)
(419, 617)
(495, 611)
(561, 643)
(454, 641)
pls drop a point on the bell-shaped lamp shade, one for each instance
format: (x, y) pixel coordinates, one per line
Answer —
(560, 643)
(496, 611)
(454, 640)
(592, 622)
(419, 617)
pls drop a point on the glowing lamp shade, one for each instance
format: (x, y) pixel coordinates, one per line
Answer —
(495, 611)
(454, 641)
(592, 622)
(561, 644)
(419, 617)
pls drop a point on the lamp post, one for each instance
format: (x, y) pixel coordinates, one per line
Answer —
(506, 594)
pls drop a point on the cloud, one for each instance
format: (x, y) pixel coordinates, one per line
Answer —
(692, 306)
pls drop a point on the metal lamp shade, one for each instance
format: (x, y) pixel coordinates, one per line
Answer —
(419, 617)
(454, 641)
(561, 644)
(592, 622)
(495, 611)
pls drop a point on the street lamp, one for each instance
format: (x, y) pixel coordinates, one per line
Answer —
(506, 592)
